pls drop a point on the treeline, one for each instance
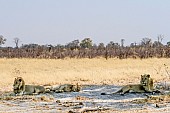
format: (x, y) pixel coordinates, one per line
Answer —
(146, 48)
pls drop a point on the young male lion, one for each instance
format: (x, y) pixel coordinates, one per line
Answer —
(146, 85)
(20, 88)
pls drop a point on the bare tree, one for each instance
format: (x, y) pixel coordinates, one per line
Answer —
(2, 40)
(16, 41)
(146, 42)
(160, 38)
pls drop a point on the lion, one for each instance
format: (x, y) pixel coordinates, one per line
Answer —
(145, 86)
(65, 88)
(20, 88)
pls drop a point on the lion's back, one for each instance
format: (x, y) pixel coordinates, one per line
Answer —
(34, 89)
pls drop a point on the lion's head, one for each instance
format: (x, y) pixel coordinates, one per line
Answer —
(76, 88)
(145, 79)
(19, 85)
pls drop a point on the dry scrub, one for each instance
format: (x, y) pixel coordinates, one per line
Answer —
(83, 71)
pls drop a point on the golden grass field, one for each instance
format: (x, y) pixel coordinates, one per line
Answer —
(83, 71)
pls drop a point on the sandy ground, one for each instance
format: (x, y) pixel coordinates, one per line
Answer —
(98, 73)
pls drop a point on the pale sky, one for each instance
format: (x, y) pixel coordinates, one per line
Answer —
(62, 21)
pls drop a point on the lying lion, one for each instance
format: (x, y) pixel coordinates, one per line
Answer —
(145, 86)
(20, 88)
(64, 88)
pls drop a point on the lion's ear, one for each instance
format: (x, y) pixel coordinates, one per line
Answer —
(148, 75)
(20, 80)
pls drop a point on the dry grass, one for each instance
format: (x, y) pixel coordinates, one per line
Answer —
(83, 71)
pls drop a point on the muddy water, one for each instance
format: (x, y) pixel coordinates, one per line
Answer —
(88, 97)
